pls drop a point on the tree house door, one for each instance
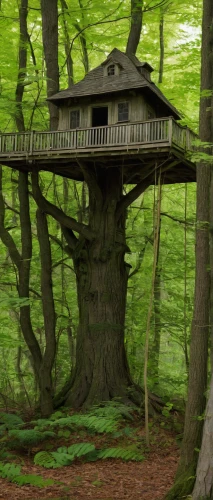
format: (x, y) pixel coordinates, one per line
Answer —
(99, 116)
(99, 119)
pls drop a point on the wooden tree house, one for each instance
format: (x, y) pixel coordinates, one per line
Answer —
(114, 117)
(115, 127)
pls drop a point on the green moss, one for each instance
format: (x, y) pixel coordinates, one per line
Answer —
(183, 486)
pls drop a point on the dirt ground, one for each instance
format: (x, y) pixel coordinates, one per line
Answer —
(106, 480)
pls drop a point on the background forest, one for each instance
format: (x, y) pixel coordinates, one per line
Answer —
(170, 42)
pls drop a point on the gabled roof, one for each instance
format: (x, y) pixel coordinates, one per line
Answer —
(95, 83)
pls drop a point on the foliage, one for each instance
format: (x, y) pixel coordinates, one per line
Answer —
(12, 472)
(123, 453)
(63, 455)
(27, 437)
(9, 421)
(94, 423)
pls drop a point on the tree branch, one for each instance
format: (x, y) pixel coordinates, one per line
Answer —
(69, 237)
(133, 194)
(58, 214)
(89, 177)
(5, 236)
(90, 26)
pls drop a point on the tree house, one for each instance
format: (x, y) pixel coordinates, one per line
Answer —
(115, 117)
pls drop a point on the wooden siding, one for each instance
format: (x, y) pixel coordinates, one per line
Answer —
(138, 111)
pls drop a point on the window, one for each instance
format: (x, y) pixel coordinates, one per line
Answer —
(111, 70)
(123, 111)
(75, 118)
(150, 114)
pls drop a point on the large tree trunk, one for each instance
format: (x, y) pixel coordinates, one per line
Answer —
(204, 482)
(200, 324)
(101, 366)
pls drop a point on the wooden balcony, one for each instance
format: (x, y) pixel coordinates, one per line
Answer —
(129, 144)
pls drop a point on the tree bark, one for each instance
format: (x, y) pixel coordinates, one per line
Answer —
(200, 323)
(45, 372)
(67, 43)
(101, 370)
(49, 11)
(136, 27)
(23, 39)
(204, 481)
(161, 36)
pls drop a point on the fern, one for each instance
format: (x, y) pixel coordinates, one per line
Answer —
(9, 471)
(123, 453)
(63, 455)
(79, 449)
(9, 421)
(97, 424)
(33, 480)
(12, 472)
(113, 410)
(28, 437)
(45, 459)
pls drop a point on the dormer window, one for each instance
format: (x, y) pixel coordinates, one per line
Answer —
(111, 70)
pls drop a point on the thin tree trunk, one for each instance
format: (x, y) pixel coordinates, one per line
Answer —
(155, 350)
(49, 11)
(45, 372)
(67, 43)
(161, 33)
(23, 40)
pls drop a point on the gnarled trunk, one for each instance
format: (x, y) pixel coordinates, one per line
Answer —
(101, 366)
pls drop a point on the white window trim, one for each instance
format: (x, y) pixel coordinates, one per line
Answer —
(117, 69)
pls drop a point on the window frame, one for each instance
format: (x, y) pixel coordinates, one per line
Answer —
(74, 110)
(124, 120)
(111, 67)
(151, 112)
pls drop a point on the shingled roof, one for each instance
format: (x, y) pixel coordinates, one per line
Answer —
(95, 83)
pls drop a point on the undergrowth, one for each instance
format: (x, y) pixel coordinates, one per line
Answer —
(107, 419)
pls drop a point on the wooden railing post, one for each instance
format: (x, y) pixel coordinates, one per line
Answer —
(31, 142)
(170, 130)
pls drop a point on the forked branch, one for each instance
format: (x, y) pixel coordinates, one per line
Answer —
(58, 214)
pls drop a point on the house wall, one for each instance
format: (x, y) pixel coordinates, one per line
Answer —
(139, 110)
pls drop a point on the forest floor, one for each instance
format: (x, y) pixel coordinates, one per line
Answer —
(108, 479)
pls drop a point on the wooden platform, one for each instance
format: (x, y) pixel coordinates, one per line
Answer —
(131, 146)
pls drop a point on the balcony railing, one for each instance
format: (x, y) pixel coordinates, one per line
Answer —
(150, 133)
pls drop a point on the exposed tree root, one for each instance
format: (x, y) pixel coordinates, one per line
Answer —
(183, 485)
(133, 395)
